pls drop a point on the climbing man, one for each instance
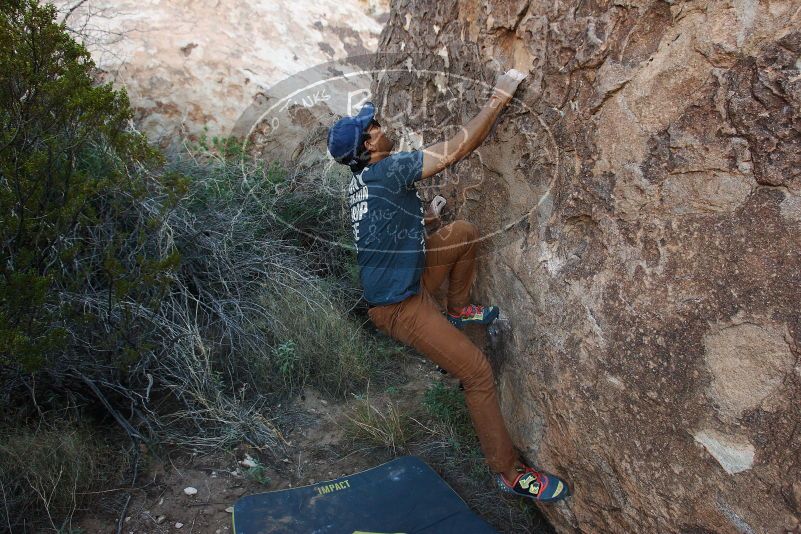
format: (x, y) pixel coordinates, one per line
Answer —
(400, 267)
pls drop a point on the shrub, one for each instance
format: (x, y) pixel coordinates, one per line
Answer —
(66, 186)
(124, 280)
(184, 296)
(49, 472)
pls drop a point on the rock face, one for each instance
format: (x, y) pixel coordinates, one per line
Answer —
(641, 203)
(191, 66)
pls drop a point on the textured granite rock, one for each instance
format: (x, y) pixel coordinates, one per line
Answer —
(641, 203)
(194, 66)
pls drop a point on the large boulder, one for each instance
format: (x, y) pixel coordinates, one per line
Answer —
(194, 66)
(641, 203)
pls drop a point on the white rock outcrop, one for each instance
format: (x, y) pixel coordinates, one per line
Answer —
(191, 66)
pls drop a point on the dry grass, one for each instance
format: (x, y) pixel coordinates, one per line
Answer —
(252, 310)
(249, 312)
(318, 344)
(50, 472)
(382, 424)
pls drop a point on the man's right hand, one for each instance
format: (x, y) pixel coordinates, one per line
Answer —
(507, 83)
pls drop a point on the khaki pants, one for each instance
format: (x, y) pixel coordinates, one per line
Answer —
(417, 321)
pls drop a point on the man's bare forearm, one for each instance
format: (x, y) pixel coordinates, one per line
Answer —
(472, 134)
(444, 154)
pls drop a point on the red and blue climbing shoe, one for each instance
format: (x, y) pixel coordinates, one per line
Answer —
(536, 485)
(472, 314)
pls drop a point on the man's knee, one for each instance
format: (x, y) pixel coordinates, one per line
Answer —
(465, 229)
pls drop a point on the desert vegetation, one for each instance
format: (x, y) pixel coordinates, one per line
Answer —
(178, 300)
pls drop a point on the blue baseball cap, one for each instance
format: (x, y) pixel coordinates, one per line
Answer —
(346, 134)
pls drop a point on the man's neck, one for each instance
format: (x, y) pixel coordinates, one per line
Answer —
(375, 157)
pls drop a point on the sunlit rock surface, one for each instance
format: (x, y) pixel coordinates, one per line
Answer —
(190, 65)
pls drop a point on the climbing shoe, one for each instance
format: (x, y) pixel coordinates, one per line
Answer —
(472, 314)
(534, 484)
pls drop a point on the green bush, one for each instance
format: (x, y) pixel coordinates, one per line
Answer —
(446, 404)
(67, 183)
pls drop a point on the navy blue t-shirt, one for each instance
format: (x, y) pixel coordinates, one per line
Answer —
(388, 229)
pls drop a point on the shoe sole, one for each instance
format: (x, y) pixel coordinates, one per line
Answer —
(509, 491)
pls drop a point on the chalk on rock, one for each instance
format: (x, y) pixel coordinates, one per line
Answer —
(190, 491)
(734, 454)
(516, 74)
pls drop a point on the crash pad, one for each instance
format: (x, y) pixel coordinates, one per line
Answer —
(401, 496)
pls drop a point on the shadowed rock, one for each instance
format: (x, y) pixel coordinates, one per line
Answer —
(641, 202)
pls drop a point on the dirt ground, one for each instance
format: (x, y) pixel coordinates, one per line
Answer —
(320, 448)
